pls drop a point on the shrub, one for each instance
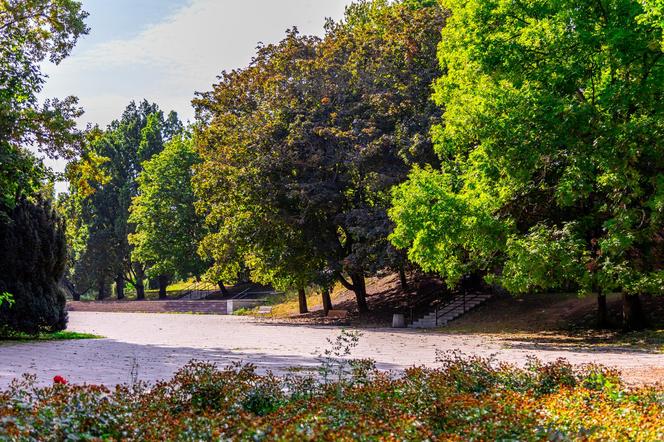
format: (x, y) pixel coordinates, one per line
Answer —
(32, 263)
(466, 398)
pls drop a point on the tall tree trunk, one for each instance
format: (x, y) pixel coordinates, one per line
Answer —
(633, 317)
(75, 294)
(223, 290)
(327, 300)
(163, 284)
(602, 316)
(140, 285)
(101, 290)
(119, 287)
(302, 300)
(360, 289)
(402, 279)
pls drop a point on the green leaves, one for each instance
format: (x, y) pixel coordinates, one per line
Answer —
(552, 131)
(167, 228)
(301, 149)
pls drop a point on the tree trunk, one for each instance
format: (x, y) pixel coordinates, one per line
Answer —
(327, 300)
(163, 283)
(101, 290)
(140, 286)
(602, 316)
(75, 294)
(119, 287)
(223, 290)
(360, 289)
(402, 279)
(302, 299)
(633, 317)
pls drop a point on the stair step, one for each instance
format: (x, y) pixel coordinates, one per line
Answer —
(454, 309)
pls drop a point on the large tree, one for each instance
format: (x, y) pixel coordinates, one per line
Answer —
(167, 228)
(552, 144)
(31, 235)
(303, 146)
(32, 31)
(118, 153)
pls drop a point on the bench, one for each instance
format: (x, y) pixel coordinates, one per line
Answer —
(338, 314)
(264, 310)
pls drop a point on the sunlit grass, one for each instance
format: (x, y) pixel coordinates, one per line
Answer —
(55, 336)
(287, 304)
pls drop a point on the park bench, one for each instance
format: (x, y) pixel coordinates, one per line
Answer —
(264, 310)
(337, 314)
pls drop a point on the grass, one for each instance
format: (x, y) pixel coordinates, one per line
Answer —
(173, 291)
(55, 336)
(287, 304)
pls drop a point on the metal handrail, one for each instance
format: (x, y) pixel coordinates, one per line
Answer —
(448, 306)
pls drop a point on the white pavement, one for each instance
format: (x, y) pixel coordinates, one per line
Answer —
(159, 344)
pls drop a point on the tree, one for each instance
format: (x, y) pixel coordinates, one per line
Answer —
(31, 266)
(167, 228)
(33, 252)
(32, 31)
(310, 138)
(118, 153)
(552, 151)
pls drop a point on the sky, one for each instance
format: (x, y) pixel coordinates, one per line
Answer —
(166, 50)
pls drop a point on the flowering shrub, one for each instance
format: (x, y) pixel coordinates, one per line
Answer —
(466, 398)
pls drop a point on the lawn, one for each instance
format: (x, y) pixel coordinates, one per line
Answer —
(54, 336)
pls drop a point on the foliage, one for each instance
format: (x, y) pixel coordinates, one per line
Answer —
(32, 263)
(6, 298)
(32, 31)
(102, 185)
(552, 149)
(467, 398)
(299, 150)
(167, 228)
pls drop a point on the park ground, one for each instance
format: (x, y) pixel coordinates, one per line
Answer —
(151, 347)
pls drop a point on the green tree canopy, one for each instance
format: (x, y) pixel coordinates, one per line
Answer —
(103, 184)
(552, 149)
(167, 228)
(301, 148)
(32, 31)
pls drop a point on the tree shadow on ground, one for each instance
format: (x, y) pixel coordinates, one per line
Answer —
(111, 362)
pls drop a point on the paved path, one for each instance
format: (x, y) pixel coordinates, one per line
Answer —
(159, 344)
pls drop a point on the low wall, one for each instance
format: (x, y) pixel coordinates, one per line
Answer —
(236, 304)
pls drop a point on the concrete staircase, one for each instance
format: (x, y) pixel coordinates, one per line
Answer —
(451, 310)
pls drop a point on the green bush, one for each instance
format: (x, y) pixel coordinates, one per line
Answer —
(32, 263)
(464, 399)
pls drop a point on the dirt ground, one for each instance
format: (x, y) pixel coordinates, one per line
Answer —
(156, 345)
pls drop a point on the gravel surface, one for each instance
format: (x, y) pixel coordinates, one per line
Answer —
(158, 344)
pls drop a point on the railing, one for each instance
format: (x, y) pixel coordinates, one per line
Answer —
(465, 299)
(426, 305)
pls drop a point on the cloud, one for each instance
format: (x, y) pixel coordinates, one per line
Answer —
(170, 60)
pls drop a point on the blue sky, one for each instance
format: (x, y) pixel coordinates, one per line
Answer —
(165, 50)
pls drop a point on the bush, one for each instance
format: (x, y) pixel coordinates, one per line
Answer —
(467, 398)
(32, 262)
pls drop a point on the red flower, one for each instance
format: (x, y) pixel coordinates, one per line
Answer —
(59, 380)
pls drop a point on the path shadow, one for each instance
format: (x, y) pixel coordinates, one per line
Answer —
(110, 362)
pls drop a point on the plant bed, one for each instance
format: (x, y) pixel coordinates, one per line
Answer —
(467, 398)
